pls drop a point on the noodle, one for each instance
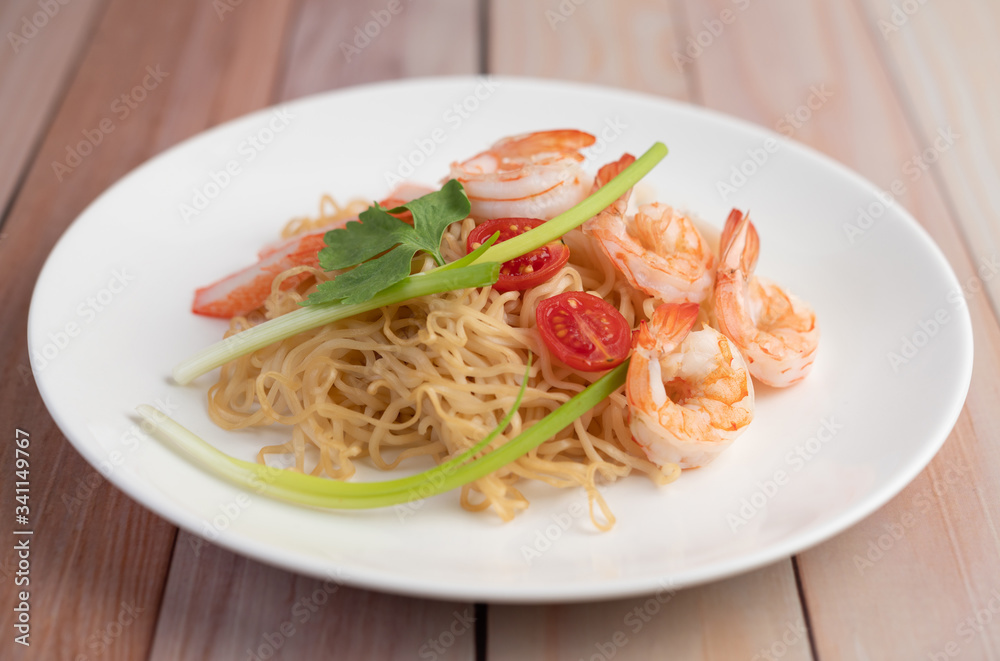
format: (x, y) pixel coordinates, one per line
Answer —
(432, 377)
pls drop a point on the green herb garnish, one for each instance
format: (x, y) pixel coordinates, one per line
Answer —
(362, 244)
(442, 279)
(313, 316)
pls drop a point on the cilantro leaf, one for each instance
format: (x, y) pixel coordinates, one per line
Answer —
(363, 282)
(363, 245)
(360, 241)
(433, 213)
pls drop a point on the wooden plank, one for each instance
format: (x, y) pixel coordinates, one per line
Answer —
(35, 64)
(230, 607)
(631, 44)
(334, 44)
(99, 561)
(756, 615)
(944, 60)
(937, 568)
(218, 605)
(622, 44)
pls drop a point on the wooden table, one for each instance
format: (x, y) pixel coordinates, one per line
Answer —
(872, 83)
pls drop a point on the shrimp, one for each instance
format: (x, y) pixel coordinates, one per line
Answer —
(535, 175)
(689, 394)
(659, 250)
(775, 330)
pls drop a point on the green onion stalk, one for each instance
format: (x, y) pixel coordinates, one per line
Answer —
(331, 494)
(477, 269)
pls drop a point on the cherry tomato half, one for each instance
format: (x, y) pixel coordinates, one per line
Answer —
(528, 270)
(584, 331)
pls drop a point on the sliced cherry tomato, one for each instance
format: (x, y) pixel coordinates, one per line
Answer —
(528, 270)
(584, 331)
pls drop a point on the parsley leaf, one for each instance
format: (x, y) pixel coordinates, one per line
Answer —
(363, 245)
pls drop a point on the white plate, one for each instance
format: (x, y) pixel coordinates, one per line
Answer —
(110, 317)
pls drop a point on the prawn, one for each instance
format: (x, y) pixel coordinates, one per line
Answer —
(775, 330)
(689, 393)
(659, 250)
(535, 175)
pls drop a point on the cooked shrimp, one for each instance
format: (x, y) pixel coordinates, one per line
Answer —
(689, 394)
(775, 330)
(536, 175)
(659, 250)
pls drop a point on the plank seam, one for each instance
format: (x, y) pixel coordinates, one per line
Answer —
(282, 73)
(481, 613)
(58, 100)
(163, 595)
(483, 16)
(805, 609)
(690, 75)
(913, 122)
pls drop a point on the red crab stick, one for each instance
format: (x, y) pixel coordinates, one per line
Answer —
(246, 290)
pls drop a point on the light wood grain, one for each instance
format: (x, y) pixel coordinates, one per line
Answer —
(622, 44)
(104, 582)
(630, 44)
(910, 601)
(944, 59)
(99, 561)
(217, 605)
(223, 606)
(756, 614)
(334, 44)
(35, 65)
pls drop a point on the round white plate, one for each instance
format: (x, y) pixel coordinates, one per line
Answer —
(110, 318)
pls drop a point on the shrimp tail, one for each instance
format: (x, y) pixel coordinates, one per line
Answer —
(739, 244)
(614, 214)
(669, 326)
(612, 170)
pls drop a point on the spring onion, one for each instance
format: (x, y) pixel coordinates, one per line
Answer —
(439, 280)
(305, 318)
(320, 492)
